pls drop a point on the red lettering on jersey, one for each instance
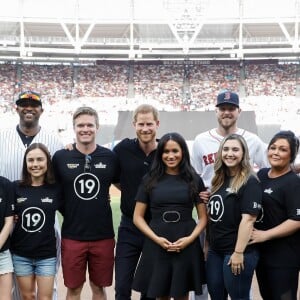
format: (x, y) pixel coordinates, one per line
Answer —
(209, 158)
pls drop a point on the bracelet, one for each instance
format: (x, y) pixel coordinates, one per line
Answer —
(237, 252)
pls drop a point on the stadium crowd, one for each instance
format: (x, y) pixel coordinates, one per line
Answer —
(157, 80)
(175, 86)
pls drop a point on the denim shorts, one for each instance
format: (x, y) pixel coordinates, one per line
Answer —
(24, 266)
(6, 265)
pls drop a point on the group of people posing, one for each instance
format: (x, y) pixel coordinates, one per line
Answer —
(188, 221)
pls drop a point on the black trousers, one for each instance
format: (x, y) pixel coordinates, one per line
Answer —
(128, 250)
(277, 283)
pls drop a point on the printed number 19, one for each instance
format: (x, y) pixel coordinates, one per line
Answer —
(88, 184)
(32, 220)
(214, 207)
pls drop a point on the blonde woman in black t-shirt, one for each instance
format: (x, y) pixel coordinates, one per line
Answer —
(233, 206)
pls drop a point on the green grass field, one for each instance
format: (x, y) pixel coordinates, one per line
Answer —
(115, 207)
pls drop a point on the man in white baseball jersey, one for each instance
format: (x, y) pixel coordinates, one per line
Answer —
(14, 141)
(206, 144)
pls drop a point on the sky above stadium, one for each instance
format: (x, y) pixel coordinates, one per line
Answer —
(144, 9)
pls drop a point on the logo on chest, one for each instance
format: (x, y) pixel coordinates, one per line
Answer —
(47, 200)
(268, 191)
(72, 166)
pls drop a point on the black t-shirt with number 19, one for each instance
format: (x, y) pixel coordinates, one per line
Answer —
(86, 182)
(34, 234)
(225, 213)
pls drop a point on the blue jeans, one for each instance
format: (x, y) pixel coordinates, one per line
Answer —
(220, 277)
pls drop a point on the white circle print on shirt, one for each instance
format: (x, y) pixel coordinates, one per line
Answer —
(86, 186)
(215, 208)
(33, 219)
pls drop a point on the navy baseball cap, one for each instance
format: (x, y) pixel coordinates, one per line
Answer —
(29, 96)
(228, 98)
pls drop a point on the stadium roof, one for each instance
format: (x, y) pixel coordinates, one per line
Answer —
(89, 30)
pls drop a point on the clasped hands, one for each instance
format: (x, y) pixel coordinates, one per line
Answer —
(176, 246)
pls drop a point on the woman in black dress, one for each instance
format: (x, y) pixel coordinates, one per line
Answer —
(172, 262)
(278, 231)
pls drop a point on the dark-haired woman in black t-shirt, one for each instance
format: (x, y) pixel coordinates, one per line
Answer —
(278, 231)
(33, 244)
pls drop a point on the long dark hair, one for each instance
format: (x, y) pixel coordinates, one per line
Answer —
(26, 176)
(158, 168)
(290, 137)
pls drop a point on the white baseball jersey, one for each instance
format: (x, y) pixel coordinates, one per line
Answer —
(206, 145)
(12, 152)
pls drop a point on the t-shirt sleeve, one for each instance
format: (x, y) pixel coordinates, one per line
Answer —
(292, 199)
(251, 197)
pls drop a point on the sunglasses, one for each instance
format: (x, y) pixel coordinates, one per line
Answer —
(30, 96)
(87, 164)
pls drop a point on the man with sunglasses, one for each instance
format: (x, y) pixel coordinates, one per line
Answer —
(86, 172)
(14, 141)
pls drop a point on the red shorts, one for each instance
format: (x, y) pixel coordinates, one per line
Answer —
(97, 255)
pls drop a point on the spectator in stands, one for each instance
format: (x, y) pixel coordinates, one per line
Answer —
(278, 233)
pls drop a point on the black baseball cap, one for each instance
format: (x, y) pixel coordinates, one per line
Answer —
(228, 98)
(29, 96)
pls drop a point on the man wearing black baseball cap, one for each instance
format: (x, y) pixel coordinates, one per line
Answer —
(29, 97)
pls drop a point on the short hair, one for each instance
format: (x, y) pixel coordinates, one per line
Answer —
(144, 109)
(291, 139)
(26, 177)
(85, 110)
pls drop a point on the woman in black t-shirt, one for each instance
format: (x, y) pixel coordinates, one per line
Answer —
(6, 225)
(233, 206)
(33, 244)
(278, 232)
